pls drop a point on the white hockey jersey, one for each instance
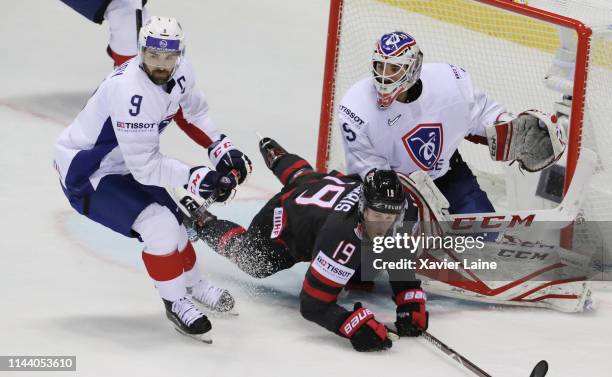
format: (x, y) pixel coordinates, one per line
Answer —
(422, 134)
(118, 130)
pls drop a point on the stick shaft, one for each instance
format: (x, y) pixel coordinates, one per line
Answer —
(138, 20)
(455, 355)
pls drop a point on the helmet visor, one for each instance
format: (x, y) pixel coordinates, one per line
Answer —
(160, 65)
(160, 59)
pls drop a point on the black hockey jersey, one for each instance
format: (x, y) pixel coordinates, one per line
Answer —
(301, 209)
(317, 218)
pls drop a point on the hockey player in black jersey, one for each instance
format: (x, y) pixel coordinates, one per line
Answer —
(322, 219)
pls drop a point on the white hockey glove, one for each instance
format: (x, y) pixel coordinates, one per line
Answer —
(227, 159)
(205, 183)
(533, 138)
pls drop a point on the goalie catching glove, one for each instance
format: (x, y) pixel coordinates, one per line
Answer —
(533, 138)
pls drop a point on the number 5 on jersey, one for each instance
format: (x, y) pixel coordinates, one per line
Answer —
(350, 134)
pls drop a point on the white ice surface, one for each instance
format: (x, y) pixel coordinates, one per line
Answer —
(71, 287)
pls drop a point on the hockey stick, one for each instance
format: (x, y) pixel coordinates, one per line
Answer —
(539, 370)
(555, 218)
(191, 205)
(138, 19)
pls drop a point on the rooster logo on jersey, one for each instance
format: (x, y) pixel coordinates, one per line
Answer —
(424, 144)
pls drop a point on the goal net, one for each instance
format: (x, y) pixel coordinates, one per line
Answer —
(508, 48)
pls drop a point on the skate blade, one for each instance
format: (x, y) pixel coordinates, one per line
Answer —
(204, 338)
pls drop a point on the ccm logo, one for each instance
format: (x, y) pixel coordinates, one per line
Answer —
(520, 254)
(491, 222)
(194, 183)
(222, 148)
(356, 319)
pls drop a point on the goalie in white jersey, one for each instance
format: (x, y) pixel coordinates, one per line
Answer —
(112, 171)
(411, 116)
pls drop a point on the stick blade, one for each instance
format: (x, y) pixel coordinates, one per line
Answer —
(540, 369)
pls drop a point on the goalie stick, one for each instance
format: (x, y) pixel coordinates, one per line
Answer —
(556, 218)
(539, 370)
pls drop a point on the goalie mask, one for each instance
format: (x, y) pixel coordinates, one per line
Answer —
(382, 202)
(396, 66)
(160, 47)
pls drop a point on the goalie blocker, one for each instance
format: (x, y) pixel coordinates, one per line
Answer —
(533, 138)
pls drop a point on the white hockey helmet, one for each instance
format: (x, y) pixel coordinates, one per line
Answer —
(161, 46)
(396, 66)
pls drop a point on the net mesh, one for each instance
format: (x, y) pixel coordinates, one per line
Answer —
(507, 55)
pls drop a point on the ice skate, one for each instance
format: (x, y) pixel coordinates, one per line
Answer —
(211, 297)
(188, 319)
(271, 151)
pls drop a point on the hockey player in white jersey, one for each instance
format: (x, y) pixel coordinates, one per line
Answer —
(411, 116)
(112, 171)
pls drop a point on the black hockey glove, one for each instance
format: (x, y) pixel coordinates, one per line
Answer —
(205, 182)
(412, 318)
(227, 159)
(365, 333)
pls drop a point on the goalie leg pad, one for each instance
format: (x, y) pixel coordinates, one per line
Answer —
(572, 297)
(425, 195)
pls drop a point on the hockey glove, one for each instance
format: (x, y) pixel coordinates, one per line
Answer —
(227, 159)
(205, 182)
(412, 318)
(534, 139)
(365, 333)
